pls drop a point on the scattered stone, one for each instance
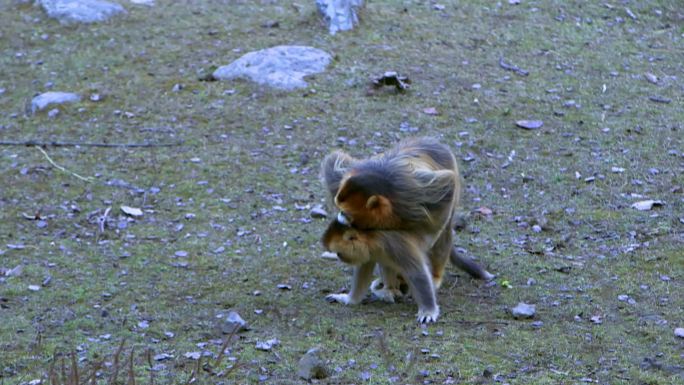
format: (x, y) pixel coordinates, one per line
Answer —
(41, 101)
(523, 310)
(391, 78)
(148, 3)
(312, 366)
(596, 319)
(266, 346)
(651, 78)
(679, 332)
(646, 205)
(193, 355)
(34, 287)
(232, 321)
(660, 99)
(529, 124)
(271, 24)
(283, 286)
(282, 67)
(95, 97)
(318, 212)
(162, 356)
(53, 113)
(132, 211)
(339, 14)
(80, 11)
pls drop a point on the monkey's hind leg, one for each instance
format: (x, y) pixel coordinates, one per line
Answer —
(360, 281)
(388, 287)
(439, 256)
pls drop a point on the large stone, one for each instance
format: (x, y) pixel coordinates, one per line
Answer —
(339, 14)
(41, 101)
(283, 67)
(80, 11)
(312, 366)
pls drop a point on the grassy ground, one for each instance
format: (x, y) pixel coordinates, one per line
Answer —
(236, 195)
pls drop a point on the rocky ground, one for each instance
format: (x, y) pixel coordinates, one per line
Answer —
(152, 207)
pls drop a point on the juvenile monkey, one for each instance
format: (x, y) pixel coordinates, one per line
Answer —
(400, 258)
(396, 210)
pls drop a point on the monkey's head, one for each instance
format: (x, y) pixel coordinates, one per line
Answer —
(364, 200)
(352, 246)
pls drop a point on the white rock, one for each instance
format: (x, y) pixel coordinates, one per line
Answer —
(41, 101)
(80, 11)
(283, 67)
(267, 345)
(646, 205)
(339, 14)
(149, 3)
(524, 310)
(132, 211)
(679, 332)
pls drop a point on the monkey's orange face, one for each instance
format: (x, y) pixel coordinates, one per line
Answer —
(352, 246)
(364, 211)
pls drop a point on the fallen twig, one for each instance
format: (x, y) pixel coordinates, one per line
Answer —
(52, 162)
(84, 144)
(512, 67)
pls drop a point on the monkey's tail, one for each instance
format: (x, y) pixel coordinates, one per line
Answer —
(471, 267)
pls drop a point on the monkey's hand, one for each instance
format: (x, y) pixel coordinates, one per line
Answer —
(425, 316)
(341, 298)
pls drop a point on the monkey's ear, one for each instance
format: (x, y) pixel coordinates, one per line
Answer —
(375, 201)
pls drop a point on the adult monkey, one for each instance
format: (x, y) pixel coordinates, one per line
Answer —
(396, 210)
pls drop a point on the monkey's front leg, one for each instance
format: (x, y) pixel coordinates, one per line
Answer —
(423, 290)
(363, 275)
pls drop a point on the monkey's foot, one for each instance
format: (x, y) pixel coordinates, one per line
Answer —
(385, 294)
(341, 298)
(487, 276)
(377, 284)
(426, 316)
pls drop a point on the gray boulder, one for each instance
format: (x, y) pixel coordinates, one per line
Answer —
(80, 11)
(339, 14)
(283, 67)
(41, 101)
(312, 366)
